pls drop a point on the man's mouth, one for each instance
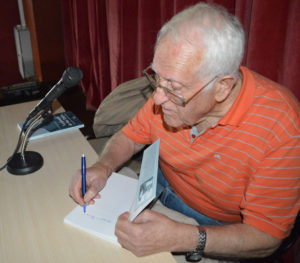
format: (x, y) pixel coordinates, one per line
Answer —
(166, 111)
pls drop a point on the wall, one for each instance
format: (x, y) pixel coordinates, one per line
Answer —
(9, 71)
(43, 18)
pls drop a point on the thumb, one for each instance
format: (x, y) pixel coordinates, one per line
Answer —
(144, 217)
(90, 194)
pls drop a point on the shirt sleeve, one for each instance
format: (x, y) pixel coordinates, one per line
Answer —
(138, 128)
(272, 199)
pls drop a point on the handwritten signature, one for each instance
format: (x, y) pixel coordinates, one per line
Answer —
(103, 219)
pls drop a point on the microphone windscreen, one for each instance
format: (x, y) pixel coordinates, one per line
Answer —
(71, 76)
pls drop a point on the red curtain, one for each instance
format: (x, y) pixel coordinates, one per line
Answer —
(112, 41)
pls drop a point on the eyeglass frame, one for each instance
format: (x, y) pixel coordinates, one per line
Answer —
(154, 84)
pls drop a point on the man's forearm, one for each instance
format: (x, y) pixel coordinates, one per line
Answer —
(239, 241)
(232, 241)
(118, 150)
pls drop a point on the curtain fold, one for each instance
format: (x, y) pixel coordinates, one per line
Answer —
(112, 41)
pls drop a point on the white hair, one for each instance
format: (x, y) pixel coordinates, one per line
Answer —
(210, 27)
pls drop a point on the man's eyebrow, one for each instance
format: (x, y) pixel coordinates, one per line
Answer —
(175, 81)
(168, 79)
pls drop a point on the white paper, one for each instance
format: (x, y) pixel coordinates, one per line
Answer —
(100, 218)
(120, 194)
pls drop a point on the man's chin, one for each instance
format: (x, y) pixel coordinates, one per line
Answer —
(172, 123)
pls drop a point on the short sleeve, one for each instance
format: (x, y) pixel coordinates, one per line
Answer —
(138, 128)
(272, 198)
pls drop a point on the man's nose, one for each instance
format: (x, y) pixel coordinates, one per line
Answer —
(159, 96)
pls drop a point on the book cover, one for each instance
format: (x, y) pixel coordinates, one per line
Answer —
(147, 184)
(62, 122)
(120, 194)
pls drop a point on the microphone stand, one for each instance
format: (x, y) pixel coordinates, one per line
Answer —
(26, 162)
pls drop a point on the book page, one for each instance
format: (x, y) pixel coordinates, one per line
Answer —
(100, 218)
(120, 194)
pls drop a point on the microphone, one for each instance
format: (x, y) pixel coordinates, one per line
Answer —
(70, 78)
(26, 162)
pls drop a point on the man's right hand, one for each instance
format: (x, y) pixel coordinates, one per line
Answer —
(96, 177)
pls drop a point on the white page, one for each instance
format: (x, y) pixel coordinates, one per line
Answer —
(120, 194)
(100, 219)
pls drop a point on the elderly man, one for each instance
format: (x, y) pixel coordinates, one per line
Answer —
(229, 154)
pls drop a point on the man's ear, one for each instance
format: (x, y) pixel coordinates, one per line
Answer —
(224, 87)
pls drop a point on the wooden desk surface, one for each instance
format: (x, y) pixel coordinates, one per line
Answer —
(32, 207)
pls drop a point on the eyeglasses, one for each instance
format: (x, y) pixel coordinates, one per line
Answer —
(153, 79)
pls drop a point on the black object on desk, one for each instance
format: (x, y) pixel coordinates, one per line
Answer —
(21, 92)
(22, 165)
(26, 162)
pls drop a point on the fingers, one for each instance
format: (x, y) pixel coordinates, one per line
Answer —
(145, 216)
(123, 225)
(90, 195)
(123, 218)
(75, 188)
(127, 233)
(95, 181)
(133, 236)
(149, 233)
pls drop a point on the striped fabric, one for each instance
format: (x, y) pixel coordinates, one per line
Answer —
(244, 169)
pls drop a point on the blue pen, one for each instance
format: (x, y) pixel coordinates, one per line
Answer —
(83, 173)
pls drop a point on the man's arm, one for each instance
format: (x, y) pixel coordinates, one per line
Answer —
(152, 232)
(118, 150)
(239, 240)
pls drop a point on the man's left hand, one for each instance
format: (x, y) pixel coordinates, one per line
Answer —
(152, 232)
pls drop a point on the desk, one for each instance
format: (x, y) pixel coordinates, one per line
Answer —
(33, 206)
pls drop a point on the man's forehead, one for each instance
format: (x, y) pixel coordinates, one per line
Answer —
(173, 57)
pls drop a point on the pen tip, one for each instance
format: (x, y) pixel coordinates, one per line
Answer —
(82, 155)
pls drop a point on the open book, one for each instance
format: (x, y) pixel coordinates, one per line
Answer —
(120, 194)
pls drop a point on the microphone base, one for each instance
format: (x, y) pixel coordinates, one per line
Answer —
(32, 162)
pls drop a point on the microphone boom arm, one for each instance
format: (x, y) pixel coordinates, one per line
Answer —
(27, 134)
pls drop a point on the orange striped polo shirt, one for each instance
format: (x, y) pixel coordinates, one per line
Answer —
(244, 169)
